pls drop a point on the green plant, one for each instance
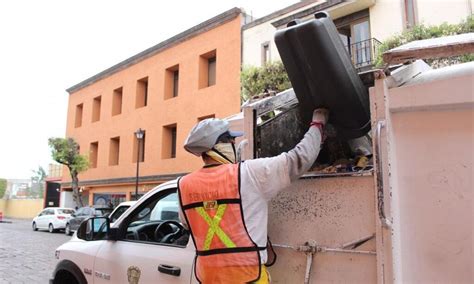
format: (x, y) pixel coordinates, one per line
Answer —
(270, 77)
(37, 179)
(66, 151)
(421, 31)
(3, 187)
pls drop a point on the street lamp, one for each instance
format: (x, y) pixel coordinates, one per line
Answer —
(139, 134)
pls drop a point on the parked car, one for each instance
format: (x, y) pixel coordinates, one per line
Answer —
(52, 219)
(119, 210)
(82, 214)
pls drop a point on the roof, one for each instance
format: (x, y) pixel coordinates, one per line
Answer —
(307, 12)
(279, 13)
(192, 32)
(431, 48)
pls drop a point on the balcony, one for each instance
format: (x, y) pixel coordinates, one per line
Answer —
(364, 53)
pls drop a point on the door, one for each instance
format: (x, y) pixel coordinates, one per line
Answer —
(427, 165)
(361, 47)
(356, 39)
(40, 221)
(145, 253)
(52, 194)
(48, 217)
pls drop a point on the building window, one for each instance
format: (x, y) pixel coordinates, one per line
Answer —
(114, 151)
(410, 17)
(117, 101)
(93, 154)
(142, 93)
(207, 69)
(175, 83)
(78, 119)
(169, 141)
(206, 117)
(211, 71)
(171, 82)
(265, 53)
(96, 109)
(142, 148)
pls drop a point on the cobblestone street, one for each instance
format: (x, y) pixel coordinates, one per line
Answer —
(27, 256)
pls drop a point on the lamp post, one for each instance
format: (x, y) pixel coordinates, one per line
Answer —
(139, 134)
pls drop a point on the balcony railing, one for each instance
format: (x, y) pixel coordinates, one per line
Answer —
(364, 53)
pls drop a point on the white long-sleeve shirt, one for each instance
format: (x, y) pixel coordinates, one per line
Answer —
(261, 179)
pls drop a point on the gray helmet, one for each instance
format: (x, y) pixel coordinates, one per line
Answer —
(204, 135)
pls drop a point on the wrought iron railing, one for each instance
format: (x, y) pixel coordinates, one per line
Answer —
(364, 53)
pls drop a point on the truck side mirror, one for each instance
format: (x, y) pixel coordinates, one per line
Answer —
(93, 229)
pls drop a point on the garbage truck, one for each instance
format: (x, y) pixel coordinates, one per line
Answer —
(386, 202)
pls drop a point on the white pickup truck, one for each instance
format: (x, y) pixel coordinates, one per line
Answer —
(407, 221)
(146, 244)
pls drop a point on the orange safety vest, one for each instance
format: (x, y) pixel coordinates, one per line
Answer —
(212, 205)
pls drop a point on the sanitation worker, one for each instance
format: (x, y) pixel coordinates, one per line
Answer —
(225, 203)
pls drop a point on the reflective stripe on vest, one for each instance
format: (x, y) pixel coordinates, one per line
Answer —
(214, 227)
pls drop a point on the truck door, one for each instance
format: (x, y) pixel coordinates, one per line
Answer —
(146, 253)
(425, 132)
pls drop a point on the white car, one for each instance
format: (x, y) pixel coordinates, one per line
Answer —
(119, 210)
(52, 219)
(147, 244)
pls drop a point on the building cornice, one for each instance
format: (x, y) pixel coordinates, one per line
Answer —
(192, 32)
(278, 13)
(309, 11)
(125, 180)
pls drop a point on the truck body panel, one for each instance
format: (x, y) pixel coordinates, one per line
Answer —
(429, 129)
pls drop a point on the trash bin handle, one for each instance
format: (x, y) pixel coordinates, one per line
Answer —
(379, 171)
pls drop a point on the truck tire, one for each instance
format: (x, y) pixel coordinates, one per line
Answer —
(67, 272)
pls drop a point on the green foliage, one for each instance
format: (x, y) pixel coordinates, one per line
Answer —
(3, 187)
(421, 31)
(38, 175)
(37, 179)
(257, 80)
(66, 151)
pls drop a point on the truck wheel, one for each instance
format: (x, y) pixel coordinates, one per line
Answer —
(67, 272)
(51, 228)
(67, 231)
(34, 226)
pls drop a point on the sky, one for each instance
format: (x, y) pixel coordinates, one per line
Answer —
(48, 46)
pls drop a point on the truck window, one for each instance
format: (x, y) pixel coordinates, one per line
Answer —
(144, 222)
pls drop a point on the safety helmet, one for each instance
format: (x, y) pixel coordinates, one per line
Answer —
(205, 134)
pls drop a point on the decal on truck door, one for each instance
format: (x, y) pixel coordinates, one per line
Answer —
(133, 274)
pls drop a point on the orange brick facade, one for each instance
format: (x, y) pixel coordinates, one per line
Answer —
(104, 113)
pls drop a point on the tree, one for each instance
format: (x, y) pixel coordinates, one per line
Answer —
(66, 151)
(38, 178)
(3, 187)
(271, 77)
(421, 31)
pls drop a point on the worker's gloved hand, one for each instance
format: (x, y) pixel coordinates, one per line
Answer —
(321, 115)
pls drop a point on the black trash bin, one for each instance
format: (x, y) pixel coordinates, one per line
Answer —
(322, 74)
